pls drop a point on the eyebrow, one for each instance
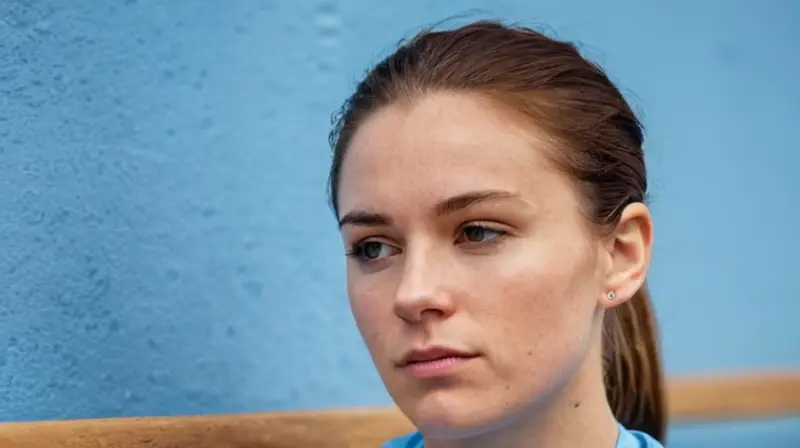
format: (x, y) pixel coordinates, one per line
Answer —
(446, 207)
(364, 219)
(462, 201)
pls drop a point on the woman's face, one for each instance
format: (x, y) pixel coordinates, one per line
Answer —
(472, 273)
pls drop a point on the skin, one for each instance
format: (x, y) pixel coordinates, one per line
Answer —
(518, 277)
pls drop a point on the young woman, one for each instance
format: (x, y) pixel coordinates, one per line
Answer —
(490, 185)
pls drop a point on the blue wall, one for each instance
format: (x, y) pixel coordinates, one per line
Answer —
(165, 247)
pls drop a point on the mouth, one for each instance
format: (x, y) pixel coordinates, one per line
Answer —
(435, 362)
(435, 355)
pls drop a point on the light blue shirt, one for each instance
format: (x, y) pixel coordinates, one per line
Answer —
(627, 439)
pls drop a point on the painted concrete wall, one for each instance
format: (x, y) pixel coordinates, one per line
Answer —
(165, 247)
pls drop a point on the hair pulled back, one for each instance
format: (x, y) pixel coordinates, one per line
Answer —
(599, 144)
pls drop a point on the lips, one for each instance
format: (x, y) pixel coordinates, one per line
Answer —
(430, 354)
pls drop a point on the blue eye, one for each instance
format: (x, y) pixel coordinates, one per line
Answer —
(371, 250)
(479, 234)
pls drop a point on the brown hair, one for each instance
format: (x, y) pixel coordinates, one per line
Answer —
(600, 145)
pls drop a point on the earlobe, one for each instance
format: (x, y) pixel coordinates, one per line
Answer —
(630, 252)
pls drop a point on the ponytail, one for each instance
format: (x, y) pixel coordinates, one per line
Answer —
(633, 372)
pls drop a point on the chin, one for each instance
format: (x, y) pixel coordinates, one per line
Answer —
(450, 414)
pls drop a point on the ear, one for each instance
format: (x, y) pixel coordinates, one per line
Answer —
(629, 251)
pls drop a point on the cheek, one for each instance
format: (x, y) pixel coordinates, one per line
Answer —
(543, 306)
(371, 310)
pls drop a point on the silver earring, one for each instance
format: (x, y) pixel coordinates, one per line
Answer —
(611, 295)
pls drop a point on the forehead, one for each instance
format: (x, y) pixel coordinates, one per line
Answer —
(438, 146)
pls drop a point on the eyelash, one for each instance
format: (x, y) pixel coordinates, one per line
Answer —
(356, 250)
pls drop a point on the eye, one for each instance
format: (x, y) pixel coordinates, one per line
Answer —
(371, 250)
(476, 233)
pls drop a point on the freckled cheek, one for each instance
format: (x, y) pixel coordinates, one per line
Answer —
(373, 315)
(531, 306)
(530, 316)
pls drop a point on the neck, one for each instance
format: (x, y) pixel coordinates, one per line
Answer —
(576, 415)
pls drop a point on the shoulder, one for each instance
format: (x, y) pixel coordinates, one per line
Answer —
(413, 440)
(635, 439)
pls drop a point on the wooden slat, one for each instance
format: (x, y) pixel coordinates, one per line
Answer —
(734, 397)
(324, 429)
(741, 397)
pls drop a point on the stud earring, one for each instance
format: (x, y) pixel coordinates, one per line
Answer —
(611, 295)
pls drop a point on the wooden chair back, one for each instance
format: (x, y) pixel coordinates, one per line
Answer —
(739, 397)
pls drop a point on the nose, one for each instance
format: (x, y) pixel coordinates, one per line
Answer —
(423, 291)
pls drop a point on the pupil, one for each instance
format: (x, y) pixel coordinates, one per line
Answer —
(372, 250)
(474, 234)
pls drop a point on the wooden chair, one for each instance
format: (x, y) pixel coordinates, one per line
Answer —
(712, 398)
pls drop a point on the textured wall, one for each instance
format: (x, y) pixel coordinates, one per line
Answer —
(165, 247)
